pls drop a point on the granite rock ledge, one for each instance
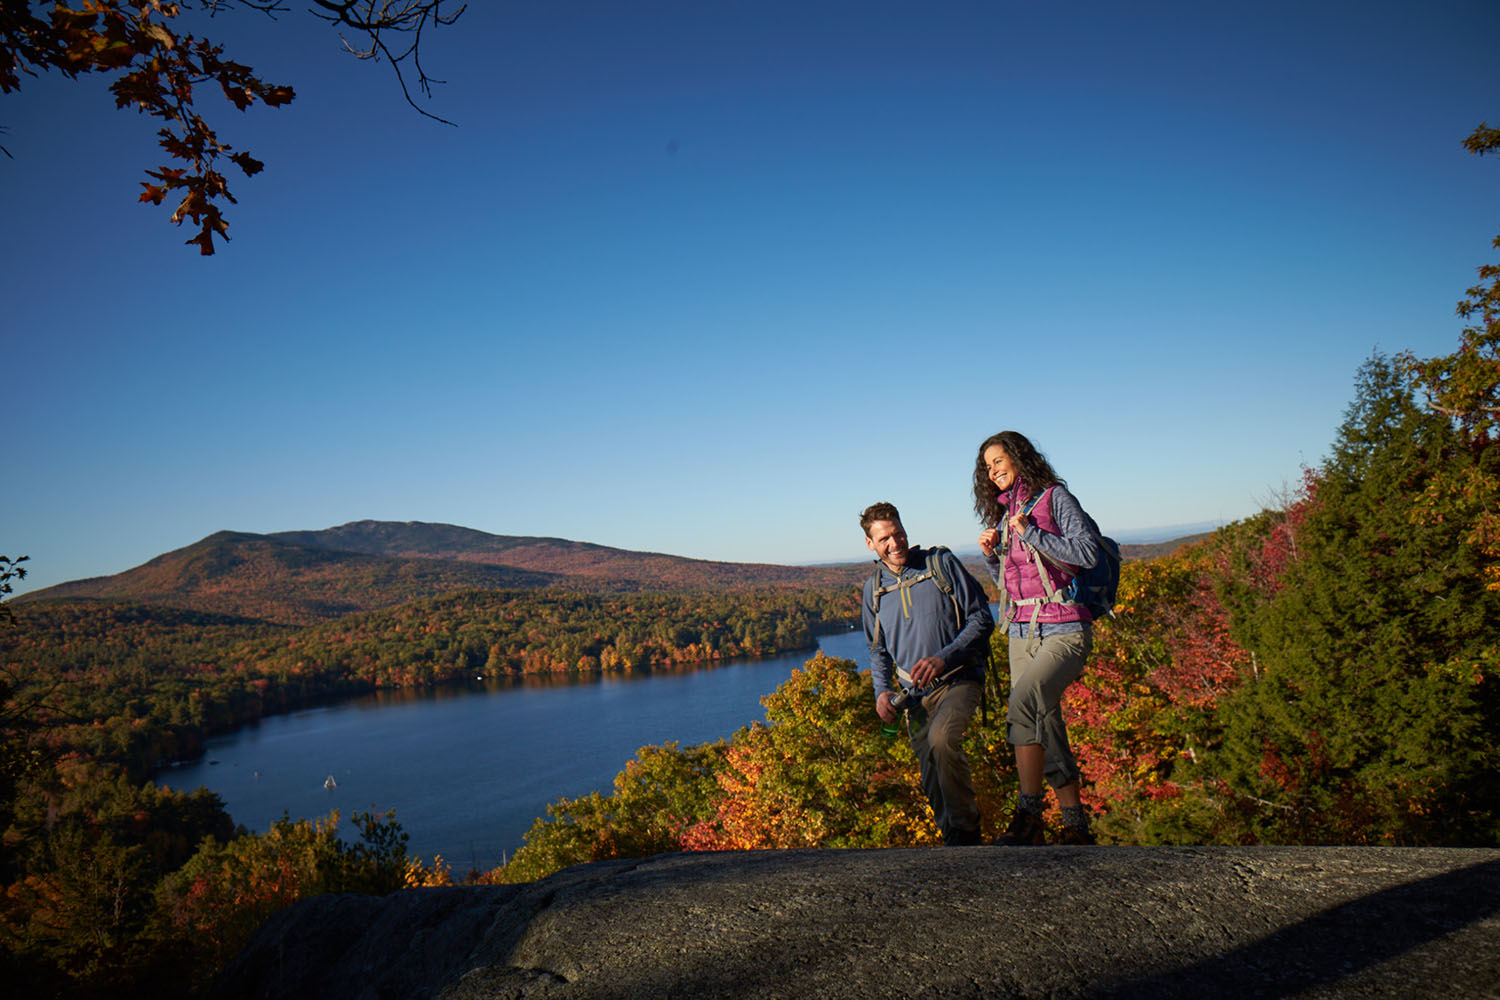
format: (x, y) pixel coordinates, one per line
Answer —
(1124, 922)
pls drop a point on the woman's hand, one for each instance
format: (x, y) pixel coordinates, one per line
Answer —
(1019, 522)
(988, 539)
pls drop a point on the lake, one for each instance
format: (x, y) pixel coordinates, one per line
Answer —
(469, 767)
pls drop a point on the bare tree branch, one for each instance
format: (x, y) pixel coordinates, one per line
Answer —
(379, 19)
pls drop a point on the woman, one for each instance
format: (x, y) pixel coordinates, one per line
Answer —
(1039, 541)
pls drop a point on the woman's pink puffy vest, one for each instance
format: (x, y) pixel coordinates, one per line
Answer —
(1021, 579)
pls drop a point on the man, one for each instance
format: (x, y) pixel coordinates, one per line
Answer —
(928, 624)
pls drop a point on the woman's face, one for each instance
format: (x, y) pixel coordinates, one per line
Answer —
(1002, 473)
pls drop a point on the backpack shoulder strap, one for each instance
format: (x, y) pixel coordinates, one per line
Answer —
(878, 590)
(876, 593)
(944, 582)
(938, 570)
(1026, 508)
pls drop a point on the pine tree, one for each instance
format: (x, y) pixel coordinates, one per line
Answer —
(1366, 719)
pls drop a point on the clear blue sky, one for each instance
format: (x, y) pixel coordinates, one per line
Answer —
(708, 278)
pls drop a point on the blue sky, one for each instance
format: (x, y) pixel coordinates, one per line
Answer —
(707, 279)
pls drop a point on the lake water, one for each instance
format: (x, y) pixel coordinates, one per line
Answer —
(468, 768)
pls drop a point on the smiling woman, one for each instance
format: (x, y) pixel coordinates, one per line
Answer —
(1035, 541)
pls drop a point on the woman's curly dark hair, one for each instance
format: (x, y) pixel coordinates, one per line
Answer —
(1031, 467)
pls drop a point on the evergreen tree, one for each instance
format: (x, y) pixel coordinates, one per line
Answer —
(1366, 720)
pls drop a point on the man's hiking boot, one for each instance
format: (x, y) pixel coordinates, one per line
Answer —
(1025, 830)
(962, 838)
(1077, 836)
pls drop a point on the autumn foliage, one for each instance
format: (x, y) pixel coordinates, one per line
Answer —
(1155, 678)
(1465, 387)
(816, 773)
(157, 71)
(208, 909)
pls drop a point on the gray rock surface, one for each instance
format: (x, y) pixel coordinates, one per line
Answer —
(1126, 922)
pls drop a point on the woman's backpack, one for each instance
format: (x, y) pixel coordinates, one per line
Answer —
(1094, 587)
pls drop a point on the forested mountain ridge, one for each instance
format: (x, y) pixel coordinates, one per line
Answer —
(407, 538)
(302, 577)
(256, 576)
(1153, 550)
(620, 568)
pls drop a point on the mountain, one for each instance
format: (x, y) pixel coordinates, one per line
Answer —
(258, 576)
(1155, 550)
(618, 568)
(419, 540)
(300, 577)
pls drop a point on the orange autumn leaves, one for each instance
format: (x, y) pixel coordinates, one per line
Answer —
(157, 69)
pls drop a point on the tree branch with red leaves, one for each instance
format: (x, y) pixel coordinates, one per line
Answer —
(159, 70)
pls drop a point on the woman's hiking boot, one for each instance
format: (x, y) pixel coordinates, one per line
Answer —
(1075, 827)
(1025, 830)
(1077, 836)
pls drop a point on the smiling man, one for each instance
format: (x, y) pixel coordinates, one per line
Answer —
(928, 624)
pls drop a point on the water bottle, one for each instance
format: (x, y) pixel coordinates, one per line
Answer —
(899, 702)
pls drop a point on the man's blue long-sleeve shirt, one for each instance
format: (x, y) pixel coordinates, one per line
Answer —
(918, 620)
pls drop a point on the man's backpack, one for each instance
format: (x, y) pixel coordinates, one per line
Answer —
(1094, 587)
(935, 572)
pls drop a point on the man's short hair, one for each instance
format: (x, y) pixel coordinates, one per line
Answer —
(881, 511)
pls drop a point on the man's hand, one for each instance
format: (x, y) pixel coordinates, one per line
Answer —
(926, 670)
(883, 707)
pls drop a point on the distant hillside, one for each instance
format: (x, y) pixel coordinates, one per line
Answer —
(300, 577)
(257, 576)
(1159, 549)
(619, 568)
(1128, 553)
(412, 539)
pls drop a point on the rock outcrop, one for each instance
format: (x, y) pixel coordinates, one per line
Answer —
(1127, 922)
